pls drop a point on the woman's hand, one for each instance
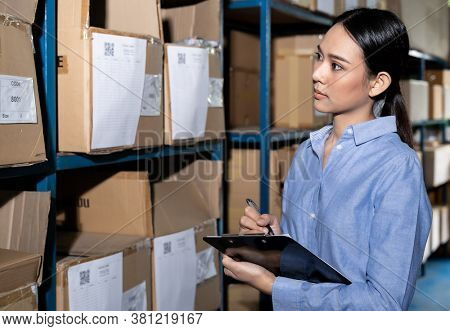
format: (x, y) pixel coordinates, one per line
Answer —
(252, 274)
(254, 222)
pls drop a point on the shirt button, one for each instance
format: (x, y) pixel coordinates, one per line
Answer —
(312, 215)
(339, 147)
(349, 131)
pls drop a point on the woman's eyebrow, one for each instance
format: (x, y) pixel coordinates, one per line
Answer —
(334, 56)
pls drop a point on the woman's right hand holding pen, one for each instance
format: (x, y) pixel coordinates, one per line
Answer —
(254, 222)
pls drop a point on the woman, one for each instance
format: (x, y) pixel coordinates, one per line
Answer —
(355, 194)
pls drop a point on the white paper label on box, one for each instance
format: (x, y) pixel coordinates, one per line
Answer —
(215, 95)
(135, 299)
(17, 103)
(118, 72)
(151, 98)
(97, 284)
(206, 268)
(189, 87)
(175, 271)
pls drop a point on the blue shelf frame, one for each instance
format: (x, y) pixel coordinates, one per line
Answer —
(43, 175)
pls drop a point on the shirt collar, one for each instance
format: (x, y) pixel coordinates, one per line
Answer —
(366, 131)
(362, 132)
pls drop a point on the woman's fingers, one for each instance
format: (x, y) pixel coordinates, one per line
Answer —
(251, 213)
(247, 224)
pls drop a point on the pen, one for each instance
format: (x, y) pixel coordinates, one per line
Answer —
(253, 204)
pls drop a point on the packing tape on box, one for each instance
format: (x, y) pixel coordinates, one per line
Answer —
(205, 265)
(9, 20)
(215, 93)
(151, 97)
(214, 47)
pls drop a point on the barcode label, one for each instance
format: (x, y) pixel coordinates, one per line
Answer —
(84, 277)
(181, 58)
(109, 49)
(167, 247)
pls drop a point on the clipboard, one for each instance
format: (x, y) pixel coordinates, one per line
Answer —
(267, 251)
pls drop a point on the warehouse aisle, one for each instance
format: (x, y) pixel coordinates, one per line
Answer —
(435, 284)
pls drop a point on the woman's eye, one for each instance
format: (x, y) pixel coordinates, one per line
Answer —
(336, 67)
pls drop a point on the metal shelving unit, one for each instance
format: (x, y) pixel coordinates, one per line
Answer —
(43, 176)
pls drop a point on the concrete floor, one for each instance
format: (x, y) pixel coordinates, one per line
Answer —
(433, 289)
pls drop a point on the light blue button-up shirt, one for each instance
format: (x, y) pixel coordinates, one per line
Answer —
(367, 214)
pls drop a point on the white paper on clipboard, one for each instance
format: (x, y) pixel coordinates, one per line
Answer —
(189, 88)
(118, 71)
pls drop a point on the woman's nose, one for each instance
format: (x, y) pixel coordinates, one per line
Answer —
(319, 73)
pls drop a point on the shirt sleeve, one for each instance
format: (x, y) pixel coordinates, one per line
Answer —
(398, 234)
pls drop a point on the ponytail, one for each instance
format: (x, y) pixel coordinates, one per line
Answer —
(395, 105)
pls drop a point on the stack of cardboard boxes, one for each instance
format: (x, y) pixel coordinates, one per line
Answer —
(23, 230)
(292, 91)
(104, 247)
(118, 251)
(120, 87)
(20, 113)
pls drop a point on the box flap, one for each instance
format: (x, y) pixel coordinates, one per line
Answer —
(17, 269)
(24, 220)
(93, 244)
(21, 299)
(200, 20)
(136, 16)
(25, 10)
(187, 198)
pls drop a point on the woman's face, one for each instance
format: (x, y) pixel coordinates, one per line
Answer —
(340, 79)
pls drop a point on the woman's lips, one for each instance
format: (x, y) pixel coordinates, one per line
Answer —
(318, 95)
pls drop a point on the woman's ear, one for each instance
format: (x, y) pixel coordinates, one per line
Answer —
(379, 84)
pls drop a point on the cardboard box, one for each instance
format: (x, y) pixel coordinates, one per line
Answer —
(436, 229)
(123, 30)
(416, 95)
(21, 299)
(242, 297)
(208, 293)
(438, 77)
(199, 119)
(90, 257)
(18, 269)
(24, 10)
(200, 20)
(23, 224)
(293, 92)
(283, 46)
(105, 202)
(195, 191)
(244, 98)
(328, 7)
(244, 51)
(446, 106)
(436, 165)
(244, 182)
(436, 102)
(432, 34)
(20, 120)
(445, 225)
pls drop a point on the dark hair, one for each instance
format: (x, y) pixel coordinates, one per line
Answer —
(384, 40)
